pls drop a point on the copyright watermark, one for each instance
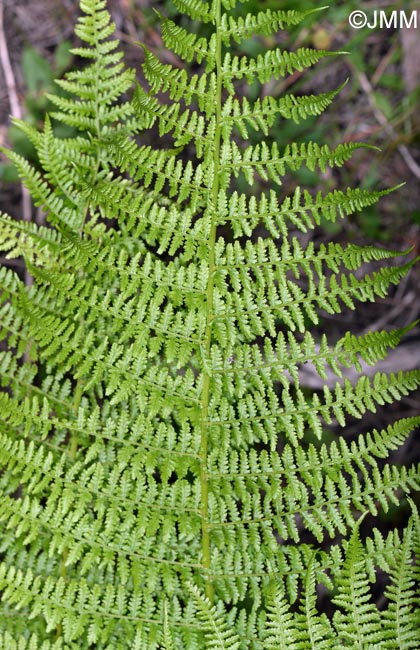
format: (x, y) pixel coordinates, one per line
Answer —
(381, 19)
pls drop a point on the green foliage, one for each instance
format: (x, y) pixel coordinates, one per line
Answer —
(158, 487)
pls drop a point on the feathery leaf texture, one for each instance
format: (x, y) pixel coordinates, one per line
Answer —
(166, 480)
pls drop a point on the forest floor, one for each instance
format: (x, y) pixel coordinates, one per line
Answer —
(380, 105)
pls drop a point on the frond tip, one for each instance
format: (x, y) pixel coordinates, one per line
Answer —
(218, 633)
(357, 622)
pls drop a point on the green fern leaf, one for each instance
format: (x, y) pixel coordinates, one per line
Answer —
(218, 634)
(358, 622)
(167, 478)
(401, 616)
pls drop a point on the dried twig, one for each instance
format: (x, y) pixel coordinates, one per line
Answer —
(16, 110)
(8, 70)
(380, 117)
(406, 357)
(390, 314)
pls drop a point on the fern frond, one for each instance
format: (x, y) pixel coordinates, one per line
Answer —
(270, 163)
(282, 633)
(179, 84)
(256, 312)
(315, 630)
(217, 632)
(166, 478)
(358, 622)
(372, 347)
(13, 642)
(99, 85)
(190, 125)
(163, 168)
(266, 22)
(43, 196)
(168, 642)
(274, 64)
(402, 618)
(160, 224)
(245, 213)
(195, 9)
(187, 45)
(262, 114)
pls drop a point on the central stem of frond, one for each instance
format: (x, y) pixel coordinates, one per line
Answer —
(212, 209)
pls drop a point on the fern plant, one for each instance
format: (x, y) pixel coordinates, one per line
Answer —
(159, 489)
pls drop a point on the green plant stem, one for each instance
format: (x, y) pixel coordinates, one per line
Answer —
(205, 526)
(78, 394)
